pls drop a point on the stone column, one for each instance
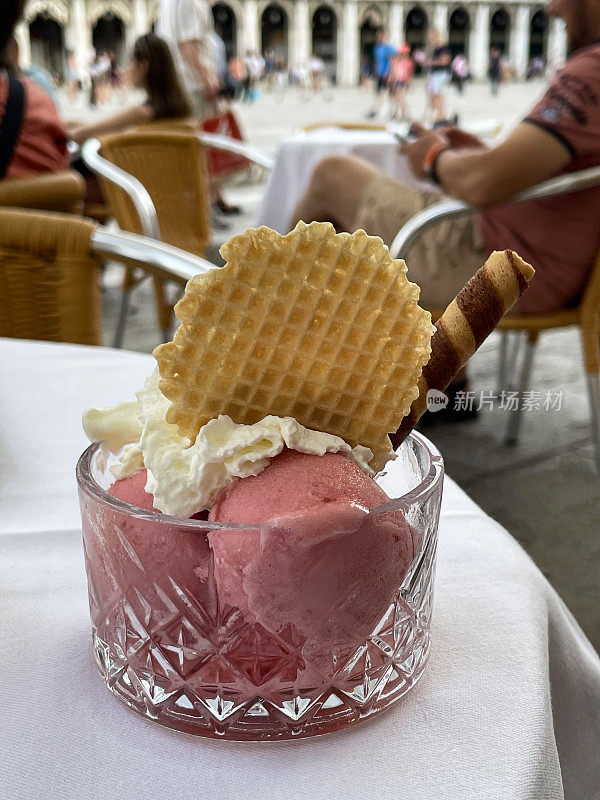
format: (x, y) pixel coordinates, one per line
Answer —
(141, 23)
(80, 34)
(349, 43)
(479, 43)
(24, 43)
(250, 30)
(396, 31)
(440, 20)
(301, 44)
(519, 41)
(557, 44)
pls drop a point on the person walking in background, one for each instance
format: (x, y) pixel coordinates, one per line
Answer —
(238, 76)
(460, 71)
(382, 54)
(438, 76)
(495, 70)
(71, 77)
(402, 69)
(187, 26)
(255, 64)
(316, 68)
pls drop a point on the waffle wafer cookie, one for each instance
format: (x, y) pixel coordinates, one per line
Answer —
(319, 326)
(466, 323)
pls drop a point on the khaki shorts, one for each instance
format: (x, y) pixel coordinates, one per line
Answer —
(443, 259)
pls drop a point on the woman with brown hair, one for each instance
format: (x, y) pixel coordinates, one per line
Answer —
(152, 68)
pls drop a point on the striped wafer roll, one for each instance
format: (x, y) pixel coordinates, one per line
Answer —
(465, 324)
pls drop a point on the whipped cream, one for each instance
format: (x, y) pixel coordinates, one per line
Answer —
(115, 426)
(185, 478)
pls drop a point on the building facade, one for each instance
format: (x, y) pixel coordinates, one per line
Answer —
(341, 32)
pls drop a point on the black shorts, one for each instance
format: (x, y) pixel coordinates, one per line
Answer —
(381, 83)
(398, 85)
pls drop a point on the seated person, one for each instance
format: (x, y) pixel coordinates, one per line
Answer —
(560, 236)
(152, 68)
(38, 140)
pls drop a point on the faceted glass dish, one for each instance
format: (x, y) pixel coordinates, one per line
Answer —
(253, 632)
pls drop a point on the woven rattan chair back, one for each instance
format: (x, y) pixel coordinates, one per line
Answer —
(171, 166)
(49, 281)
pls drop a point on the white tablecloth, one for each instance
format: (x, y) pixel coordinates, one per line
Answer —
(299, 154)
(509, 706)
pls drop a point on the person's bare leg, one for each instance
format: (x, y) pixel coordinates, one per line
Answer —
(438, 105)
(334, 192)
(403, 107)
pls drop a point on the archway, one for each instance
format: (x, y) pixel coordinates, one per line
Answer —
(274, 31)
(108, 35)
(538, 35)
(324, 38)
(459, 30)
(416, 27)
(226, 27)
(368, 38)
(47, 44)
(500, 30)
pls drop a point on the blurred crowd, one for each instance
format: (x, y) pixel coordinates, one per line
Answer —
(241, 77)
(390, 70)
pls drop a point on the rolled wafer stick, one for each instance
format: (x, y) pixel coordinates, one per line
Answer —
(465, 324)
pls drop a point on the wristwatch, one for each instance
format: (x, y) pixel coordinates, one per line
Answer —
(429, 164)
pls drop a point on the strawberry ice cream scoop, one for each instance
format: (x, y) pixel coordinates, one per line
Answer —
(294, 482)
(154, 552)
(318, 563)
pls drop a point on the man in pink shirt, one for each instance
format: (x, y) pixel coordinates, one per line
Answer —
(560, 236)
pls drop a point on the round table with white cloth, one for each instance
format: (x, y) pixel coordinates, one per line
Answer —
(300, 153)
(509, 706)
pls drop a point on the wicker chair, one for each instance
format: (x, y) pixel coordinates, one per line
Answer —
(170, 165)
(50, 191)
(156, 183)
(50, 273)
(586, 315)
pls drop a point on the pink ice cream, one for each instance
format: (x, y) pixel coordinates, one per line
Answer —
(295, 482)
(319, 564)
(142, 555)
(132, 490)
(314, 567)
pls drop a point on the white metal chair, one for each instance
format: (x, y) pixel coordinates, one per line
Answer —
(586, 315)
(142, 202)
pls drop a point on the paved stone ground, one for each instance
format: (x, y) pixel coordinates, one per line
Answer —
(545, 491)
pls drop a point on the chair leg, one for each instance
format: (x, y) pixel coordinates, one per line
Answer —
(513, 359)
(129, 282)
(590, 343)
(123, 314)
(164, 309)
(593, 382)
(503, 361)
(516, 417)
